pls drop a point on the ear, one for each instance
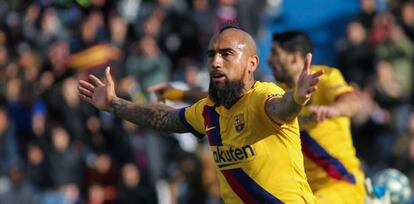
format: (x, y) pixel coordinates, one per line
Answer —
(252, 64)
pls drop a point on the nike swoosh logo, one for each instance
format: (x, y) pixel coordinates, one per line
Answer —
(210, 128)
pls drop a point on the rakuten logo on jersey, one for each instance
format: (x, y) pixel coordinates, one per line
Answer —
(224, 156)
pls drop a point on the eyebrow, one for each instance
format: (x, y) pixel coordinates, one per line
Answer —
(211, 51)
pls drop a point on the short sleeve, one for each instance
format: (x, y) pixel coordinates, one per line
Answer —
(334, 85)
(191, 118)
(263, 95)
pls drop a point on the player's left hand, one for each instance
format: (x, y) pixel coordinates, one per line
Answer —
(322, 112)
(307, 82)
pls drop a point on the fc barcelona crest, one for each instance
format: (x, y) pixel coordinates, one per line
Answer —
(239, 122)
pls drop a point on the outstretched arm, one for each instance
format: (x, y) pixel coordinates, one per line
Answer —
(286, 108)
(155, 116)
(102, 96)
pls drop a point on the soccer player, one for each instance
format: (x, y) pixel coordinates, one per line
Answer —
(331, 165)
(251, 126)
(332, 168)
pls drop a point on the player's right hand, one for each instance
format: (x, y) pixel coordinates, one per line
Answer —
(98, 93)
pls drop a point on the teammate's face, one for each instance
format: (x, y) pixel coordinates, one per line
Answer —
(281, 63)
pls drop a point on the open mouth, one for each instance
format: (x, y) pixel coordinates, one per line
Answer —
(217, 75)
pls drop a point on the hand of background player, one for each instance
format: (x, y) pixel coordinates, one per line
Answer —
(159, 90)
(98, 93)
(164, 91)
(307, 82)
(322, 112)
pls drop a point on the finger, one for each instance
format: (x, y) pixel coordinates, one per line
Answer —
(312, 109)
(314, 81)
(311, 89)
(85, 98)
(158, 87)
(108, 76)
(329, 114)
(318, 74)
(307, 65)
(316, 114)
(86, 85)
(85, 91)
(95, 80)
(319, 119)
(320, 114)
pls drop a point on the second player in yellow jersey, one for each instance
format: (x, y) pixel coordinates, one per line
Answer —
(331, 165)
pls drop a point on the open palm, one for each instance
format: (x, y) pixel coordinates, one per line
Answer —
(307, 81)
(96, 92)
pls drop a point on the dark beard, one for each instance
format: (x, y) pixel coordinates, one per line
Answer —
(228, 95)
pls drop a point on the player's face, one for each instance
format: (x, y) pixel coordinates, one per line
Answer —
(227, 63)
(227, 60)
(281, 63)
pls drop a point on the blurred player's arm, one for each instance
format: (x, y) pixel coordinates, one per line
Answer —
(164, 91)
(345, 105)
(156, 116)
(284, 109)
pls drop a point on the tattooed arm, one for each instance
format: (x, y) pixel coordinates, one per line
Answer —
(286, 108)
(102, 96)
(155, 116)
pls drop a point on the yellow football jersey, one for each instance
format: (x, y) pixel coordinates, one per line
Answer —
(258, 160)
(327, 146)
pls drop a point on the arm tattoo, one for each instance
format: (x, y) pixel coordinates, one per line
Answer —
(157, 116)
(283, 110)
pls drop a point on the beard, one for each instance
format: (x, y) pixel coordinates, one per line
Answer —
(228, 94)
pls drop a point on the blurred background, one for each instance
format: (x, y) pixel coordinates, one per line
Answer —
(55, 148)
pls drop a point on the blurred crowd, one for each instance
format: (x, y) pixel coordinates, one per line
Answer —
(376, 56)
(55, 148)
